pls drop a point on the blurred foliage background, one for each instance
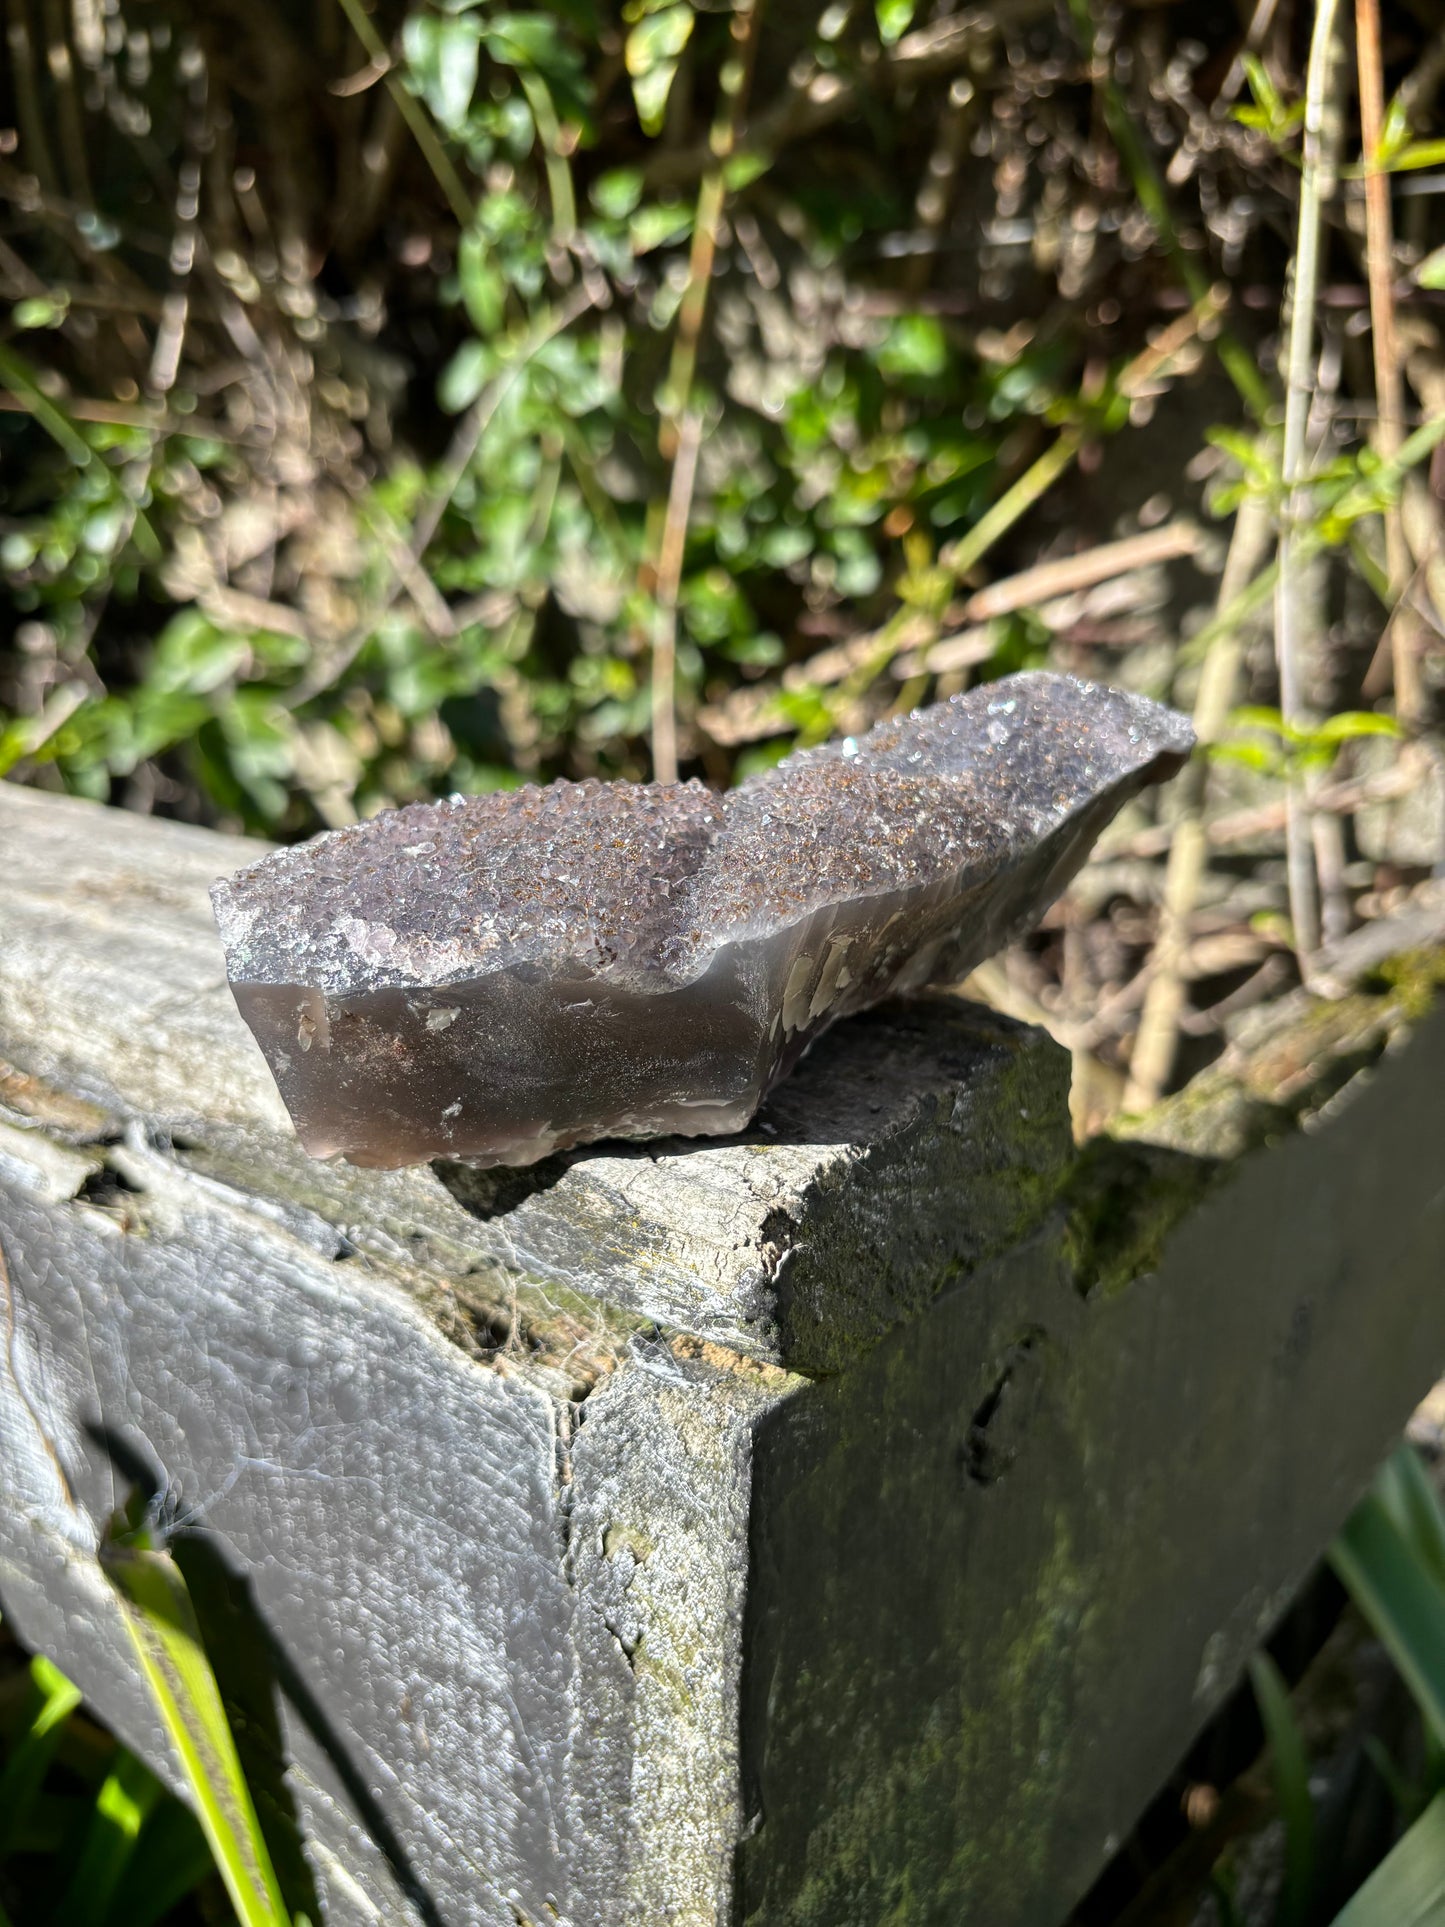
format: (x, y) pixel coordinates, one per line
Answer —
(423, 396)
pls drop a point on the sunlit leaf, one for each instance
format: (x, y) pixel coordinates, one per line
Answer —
(443, 54)
(52, 1701)
(617, 192)
(125, 1801)
(162, 1624)
(1289, 1766)
(1407, 1889)
(1401, 1600)
(914, 345)
(1417, 155)
(894, 18)
(484, 289)
(1351, 723)
(464, 377)
(1410, 1495)
(652, 51)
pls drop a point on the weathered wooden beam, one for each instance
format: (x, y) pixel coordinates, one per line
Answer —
(852, 1520)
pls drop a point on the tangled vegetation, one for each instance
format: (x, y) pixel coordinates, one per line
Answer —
(400, 397)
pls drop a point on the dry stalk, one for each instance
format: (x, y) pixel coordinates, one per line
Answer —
(1152, 1059)
(681, 433)
(1299, 385)
(1389, 383)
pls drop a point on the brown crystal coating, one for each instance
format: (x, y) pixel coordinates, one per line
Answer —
(496, 977)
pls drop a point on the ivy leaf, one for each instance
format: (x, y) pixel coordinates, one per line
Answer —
(444, 55)
(484, 291)
(616, 193)
(654, 47)
(464, 377)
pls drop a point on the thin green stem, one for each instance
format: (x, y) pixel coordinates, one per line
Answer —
(1036, 481)
(15, 376)
(413, 113)
(549, 136)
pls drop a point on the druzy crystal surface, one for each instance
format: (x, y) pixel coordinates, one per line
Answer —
(497, 977)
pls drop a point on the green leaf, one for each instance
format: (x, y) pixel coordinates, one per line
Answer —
(1349, 724)
(894, 18)
(171, 1860)
(914, 345)
(52, 1701)
(443, 55)
(464, 377)
(1395, 131)
(1255, 756)
(162, 1624)
(1417, 154)
(122, 1806)
(1431, 271)
(192, 656)
(652, 51)
(529, 39)
(654, 226)
(742, 168)
(484, 290)
(1399, 1597)
(1410, 1496)
(1261, 85)
(1289, 1765)
(1256, 716)
(1407, 1889)
(616, 193)
(40, 311)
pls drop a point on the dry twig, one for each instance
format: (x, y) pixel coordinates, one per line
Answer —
(1152, 1058)
(1389, 384)
(1299, 387)
(682, 423)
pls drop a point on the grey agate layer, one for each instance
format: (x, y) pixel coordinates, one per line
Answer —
(497, 977)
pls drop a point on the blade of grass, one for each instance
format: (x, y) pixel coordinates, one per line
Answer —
(163, 1628)
(1414, 1504)
(1407, 1889)
(15, 376)
(171, 1859)
(1289, 1765)
(1401, 1600)
(55, 1699)
(124, 1803)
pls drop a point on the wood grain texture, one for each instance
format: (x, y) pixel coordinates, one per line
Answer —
(112, 985)
(545, 1587)
(1005, 1569)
